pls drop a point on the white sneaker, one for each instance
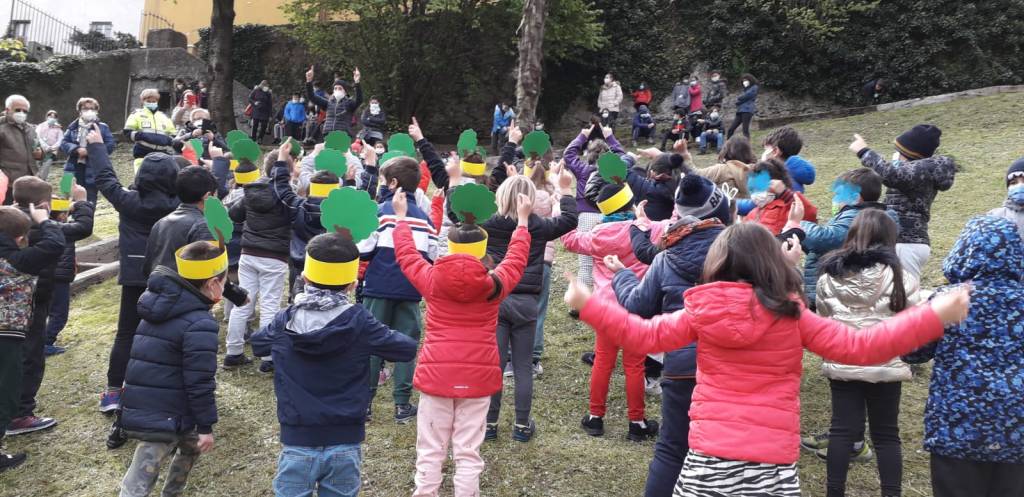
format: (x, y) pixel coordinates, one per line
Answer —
(653, 386)
(508, 370)
(537, 369)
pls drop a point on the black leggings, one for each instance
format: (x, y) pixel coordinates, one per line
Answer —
(741, 117)
(259, 128)
(127, 322)
(882, 403)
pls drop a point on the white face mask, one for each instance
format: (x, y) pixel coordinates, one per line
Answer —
(607, 81)
(265, 88)
(379, 150)
(767, 154)
(762, 198)
(746, 83)
(714, 115)
(339, 94)
(374, 109)
(295, 100)
(714, 78)
(20, 116)
(693, 83)
(89, 115)
(198, 123)
(51, 120)
(151, 106)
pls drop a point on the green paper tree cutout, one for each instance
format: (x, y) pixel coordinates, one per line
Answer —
(296, 147)
(536, 144)
(390, 155)
(473, 203)
(467, 144)
(246, 149)
(349, 211)
(331, 160)
(197, 145)
(612, 168)
(217, 220)
(233, 136)
(338, 140)
(402, 142)
(65, 183)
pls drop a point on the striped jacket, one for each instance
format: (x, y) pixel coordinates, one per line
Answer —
(384, 278)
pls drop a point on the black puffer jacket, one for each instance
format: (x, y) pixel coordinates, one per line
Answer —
(339, 112)
(267, 230)
(150, 198)
(169, 385)
(542, 230)
(179, 228)
(79, 228)
(912, 187)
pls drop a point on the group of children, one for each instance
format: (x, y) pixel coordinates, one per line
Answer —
(708, 310)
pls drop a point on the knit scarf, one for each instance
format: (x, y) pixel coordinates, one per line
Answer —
(1013, 206)
(683, 229)
(320, 299)
(618, 216)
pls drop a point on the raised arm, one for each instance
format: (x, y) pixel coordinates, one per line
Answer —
(106, 178)
(640, 297)
(555, 227)
(890, 338)
(416, 269)
(313, 97)
(34, 258)
(511, 268)
(572, 156)
(642, 336)
(902, 177)
(643, 248)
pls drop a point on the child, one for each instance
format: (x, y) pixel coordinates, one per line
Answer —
(168, 401)
(734, 162)
(913, 179)
(263, 265)
(148, 128)
(774, 198)
(611, 239)
(677, 131)
(861, 284)
(974, 414)
(31, 191)
(152, 197)
(322, 345)
(185, 224)
(458, 368)
(1013, 206)
(20, 263)
(643, 126)
(517, 317)
(80, 227)
(853, 192)
(751, 327)
(784, 144)
(656, 185)
(545, 205)
(387, 293)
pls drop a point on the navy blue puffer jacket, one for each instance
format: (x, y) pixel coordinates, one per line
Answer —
(672, 272)
(169, 386)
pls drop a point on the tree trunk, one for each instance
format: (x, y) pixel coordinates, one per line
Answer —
(222, 78)
(531, 57)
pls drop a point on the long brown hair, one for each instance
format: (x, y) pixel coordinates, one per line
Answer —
(749, 253)
(737, 148)
(871, 240)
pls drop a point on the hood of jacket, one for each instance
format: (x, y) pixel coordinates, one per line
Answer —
(461, 278)
(728, 314)
(168, 296)
(686, 257)
(990, 248)
(260, 197)
(338, 334)
(157, 174)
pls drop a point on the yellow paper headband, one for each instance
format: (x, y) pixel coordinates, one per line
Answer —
(246, 178)
(59, 204)
(201, 270)
(527, 171)
(474, 168)
(475, 249)
(233, 164)
(615, 202)
(321, 189)
(330, 273)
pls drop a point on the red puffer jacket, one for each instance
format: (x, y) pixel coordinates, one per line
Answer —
(459, 358)
(746, 406)
(775, 214)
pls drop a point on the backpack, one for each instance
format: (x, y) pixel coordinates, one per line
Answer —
(16, 292)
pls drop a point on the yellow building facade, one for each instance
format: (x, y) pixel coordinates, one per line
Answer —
(188, 16)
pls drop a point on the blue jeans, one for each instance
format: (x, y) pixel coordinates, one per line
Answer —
(702, 141)
(673, 439)
(331, 471)
(58, 311)
(538, 336)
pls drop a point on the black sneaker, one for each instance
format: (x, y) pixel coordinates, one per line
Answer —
(235, 360)
(573, 313)
(117, 436)
(642, 430)
(522, 433)
(369, 413)
(266, 367)
(492, 431)
(587, 358)
(9, 461)
(404, 413)
(593, 425)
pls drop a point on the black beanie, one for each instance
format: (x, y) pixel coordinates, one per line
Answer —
(1016, 170)
(608, 191)
(698, 197)
(919, 142)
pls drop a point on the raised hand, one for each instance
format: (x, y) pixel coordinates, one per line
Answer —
(38, 215)
(356, 75)
(511, 170)
(577, 295)
(642, 221)
(524, 207)
(796, 211)
(791, 250)
(565, 178)
(515, 135)
(953, 307)
(414, 131)
(858, 144)
(78, 193)
(310, 74)
(400, 203)
(613, 263)
(94, 136)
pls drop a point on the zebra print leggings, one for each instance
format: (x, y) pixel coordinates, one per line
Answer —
(709, 476)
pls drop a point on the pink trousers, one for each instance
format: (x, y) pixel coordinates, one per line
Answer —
(463, 422)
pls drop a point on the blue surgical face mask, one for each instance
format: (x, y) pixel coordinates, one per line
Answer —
(1016, 194)
(151, 106)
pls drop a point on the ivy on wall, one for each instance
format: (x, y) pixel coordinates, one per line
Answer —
(57, 72)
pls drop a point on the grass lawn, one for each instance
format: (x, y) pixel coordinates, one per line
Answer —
(561, 461)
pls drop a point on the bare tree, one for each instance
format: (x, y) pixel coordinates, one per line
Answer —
(222, 78)
(531, 58)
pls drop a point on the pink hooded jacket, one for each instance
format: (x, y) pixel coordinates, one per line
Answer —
(605, 239)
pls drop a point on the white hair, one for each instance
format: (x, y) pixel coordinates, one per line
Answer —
(16, 98)
(192, 115)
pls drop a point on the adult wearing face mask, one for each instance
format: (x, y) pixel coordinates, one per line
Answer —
(19, 147)
(339, 106)
(262, 101)
(681, 97)
(642, 96)
(696, 94)
(199, 125)
(373, 123)
(294, 116)
(49, 133)
(716, 91)
(610, 99)
(148, 128)
(1013, 206)
(746, 106)
(74, 146)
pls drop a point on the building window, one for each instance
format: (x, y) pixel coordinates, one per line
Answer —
(103, 28)
(19, 29)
